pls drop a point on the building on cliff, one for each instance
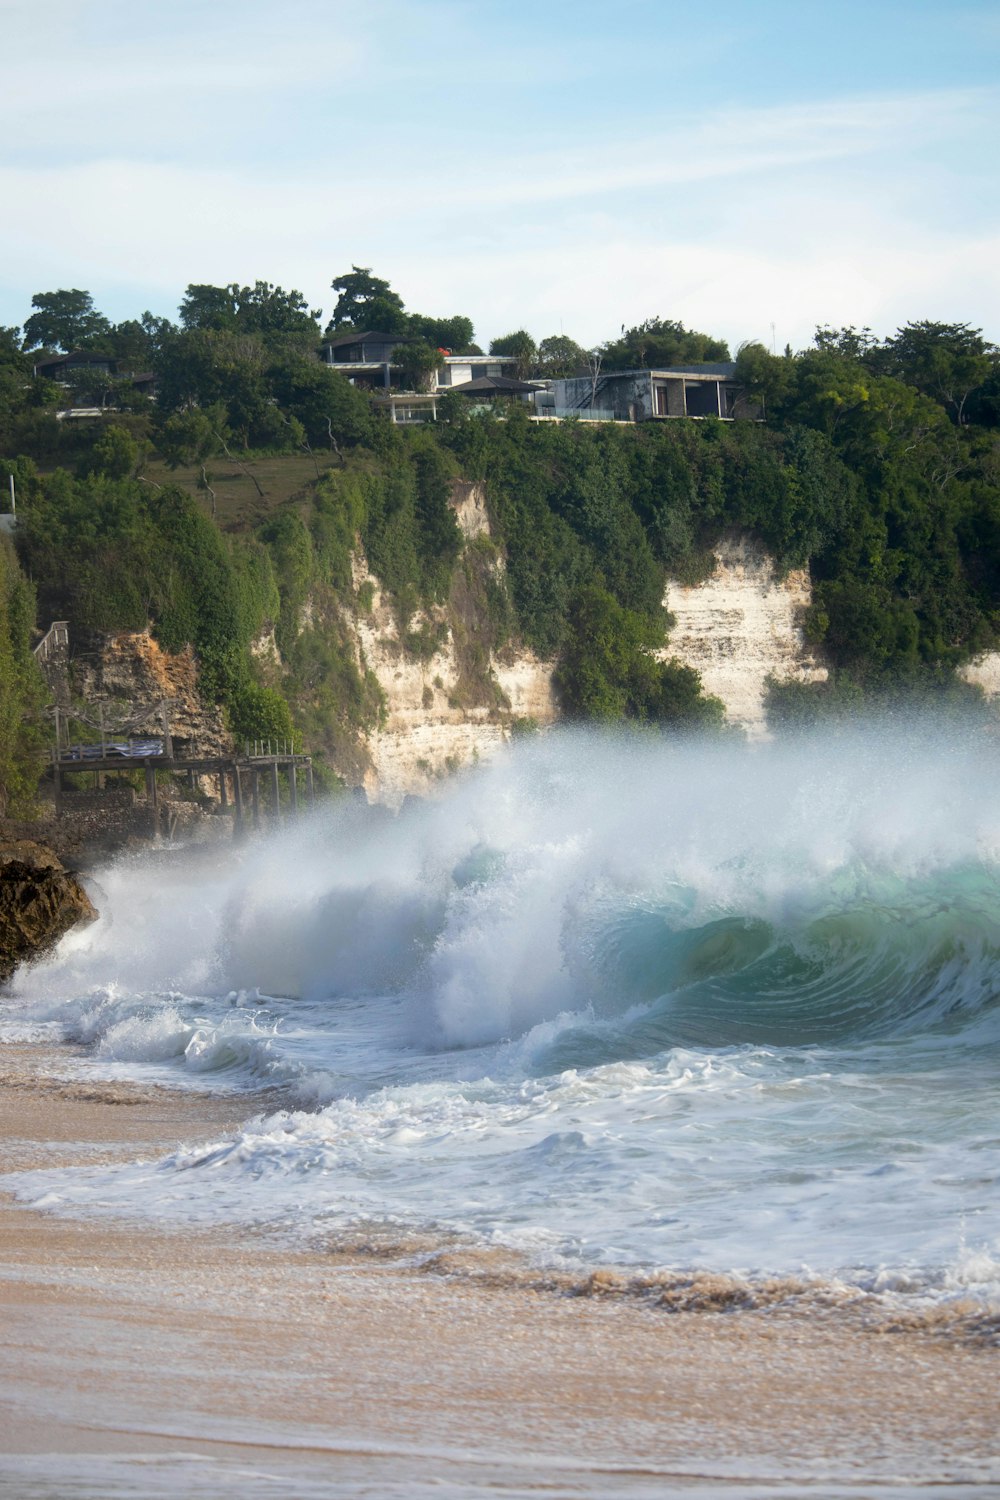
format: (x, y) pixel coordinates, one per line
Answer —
(707, 390)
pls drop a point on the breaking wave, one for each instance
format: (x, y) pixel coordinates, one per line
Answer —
(617, 1000)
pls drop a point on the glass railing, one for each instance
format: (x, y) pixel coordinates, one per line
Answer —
(582, 413)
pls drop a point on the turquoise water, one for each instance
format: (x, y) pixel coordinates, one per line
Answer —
(605, 1002)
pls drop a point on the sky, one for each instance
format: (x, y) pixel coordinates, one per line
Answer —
(563, 167)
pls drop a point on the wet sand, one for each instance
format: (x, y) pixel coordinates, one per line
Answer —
(140, 1362)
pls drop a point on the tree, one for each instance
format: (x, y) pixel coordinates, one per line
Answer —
(261, 713)
(852, 343)
(454, 335)
(206, 306)
(192, 435)
(65, 320)
(116, 453)
(418, 360)
(659, 343)
(947, 361)
(269, 310)
(22, 691)
(559, 357)
(262, 308)
(761, 374)
(518, 346)
(331, 410)
(366, 302)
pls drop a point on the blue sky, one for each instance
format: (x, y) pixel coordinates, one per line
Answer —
(562, 166)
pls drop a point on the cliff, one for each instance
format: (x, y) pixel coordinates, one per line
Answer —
(739, 628)
(742, 626)
(456, 703)
(452, 693)
(132, 675)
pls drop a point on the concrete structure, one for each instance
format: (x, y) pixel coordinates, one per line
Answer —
(708, 390)
(366, 358)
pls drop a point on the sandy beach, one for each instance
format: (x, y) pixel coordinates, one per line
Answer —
(141, 1362)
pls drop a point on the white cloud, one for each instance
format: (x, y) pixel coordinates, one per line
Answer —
(793, 215)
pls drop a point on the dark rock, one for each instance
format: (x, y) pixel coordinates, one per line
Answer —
(39, 901)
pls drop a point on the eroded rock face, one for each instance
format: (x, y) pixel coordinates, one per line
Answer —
(134, 674)
(39, 901)
(742, 626)
(450, 709)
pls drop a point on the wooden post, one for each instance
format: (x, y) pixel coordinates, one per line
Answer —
(168, 744)
(310, 784)
(237, 803)
(294, 786)
(255, 795)
(223, 794)
(154, 820)
(275, 789)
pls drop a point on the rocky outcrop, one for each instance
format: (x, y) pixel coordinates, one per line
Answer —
(132, 675)
(39, 901)
(742, 626)
(983, 672)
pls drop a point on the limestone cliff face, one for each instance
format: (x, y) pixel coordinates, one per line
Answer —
(455, 699)
(984, 672)
(456, 704)
(740, 627)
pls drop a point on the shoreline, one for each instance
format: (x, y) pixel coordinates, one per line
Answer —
(154, 1356)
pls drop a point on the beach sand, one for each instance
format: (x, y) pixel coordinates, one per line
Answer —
(137, 1361)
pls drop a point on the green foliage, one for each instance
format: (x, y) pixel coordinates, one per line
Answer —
(946, 361)
(607, 670)
(519, 346)
(290, 548)
(192, 435)
(559, 357)
(365, 301)
(454, 335)
(418, 360)
(66, 320)
(261, 713)
(116, 453)
(329, 408)
(263, 309)
(658, 343)
(22, 691)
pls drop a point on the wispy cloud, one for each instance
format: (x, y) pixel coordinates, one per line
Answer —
(485, 163)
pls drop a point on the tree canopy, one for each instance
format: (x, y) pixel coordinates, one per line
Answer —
(65, 320)
(658, 343)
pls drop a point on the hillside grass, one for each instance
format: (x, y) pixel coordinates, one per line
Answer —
(284, 477)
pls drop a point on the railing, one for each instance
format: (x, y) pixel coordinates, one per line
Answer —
(272, 750)
(55, 639)
(580, 413)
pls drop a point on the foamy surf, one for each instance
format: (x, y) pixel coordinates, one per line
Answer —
(615, 1005)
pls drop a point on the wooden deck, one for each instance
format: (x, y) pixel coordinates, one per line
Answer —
(238, 777)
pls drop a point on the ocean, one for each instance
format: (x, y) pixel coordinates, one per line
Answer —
(681, 1013)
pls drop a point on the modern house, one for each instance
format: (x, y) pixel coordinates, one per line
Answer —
(62, 368)
(709, 390)
(366, 358)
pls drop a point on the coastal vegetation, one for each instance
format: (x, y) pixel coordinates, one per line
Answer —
(227, 509)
